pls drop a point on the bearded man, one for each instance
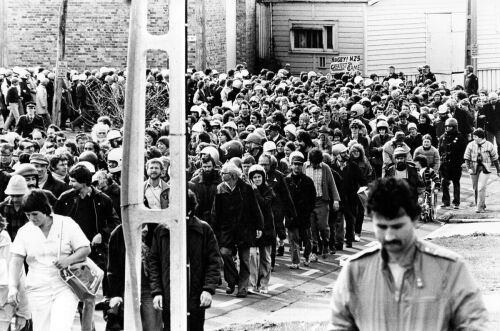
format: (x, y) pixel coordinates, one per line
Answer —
(204, 185)
(401, 169)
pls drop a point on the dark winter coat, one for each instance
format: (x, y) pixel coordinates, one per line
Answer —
(55, 186)
(451, 149)
(107, 219)
(377, 143)
(352, 180)
(465, 121)
(303, 194)
(205, 191)
(413, 142)
(113, 191)
(283, 204)
(414, 179)
(4, 181)
(25, 92)
(236, 215)
(116, 260)
(116, 263)
(203, 258)
(471, 84)
(15, 218)
(265, 198)
(427, 128)
(12, 95)
(492, 113)
(24, 126)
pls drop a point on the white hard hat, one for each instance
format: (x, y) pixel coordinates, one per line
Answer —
(116, 155)
(198, 127)
(212, 151)
(113, 134)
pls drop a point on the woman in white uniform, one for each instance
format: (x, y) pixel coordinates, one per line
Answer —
(53, 304)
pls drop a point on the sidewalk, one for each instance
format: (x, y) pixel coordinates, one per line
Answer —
(465, 221)
(467, 211)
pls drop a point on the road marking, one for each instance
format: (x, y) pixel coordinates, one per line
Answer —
(327, 263)
(226, 303)
(274, 287)
(372, 243)
(309, 272)
(342, 257)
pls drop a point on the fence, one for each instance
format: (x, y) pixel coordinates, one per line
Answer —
(489, 79)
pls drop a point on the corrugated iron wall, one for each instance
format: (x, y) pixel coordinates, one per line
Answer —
(263, 30)
(489, 79)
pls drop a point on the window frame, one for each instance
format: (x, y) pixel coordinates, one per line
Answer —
(315, 25)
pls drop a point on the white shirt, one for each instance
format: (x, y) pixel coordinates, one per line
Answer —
(397, 272)
(401, 174)
(41, 251)
(153, 195)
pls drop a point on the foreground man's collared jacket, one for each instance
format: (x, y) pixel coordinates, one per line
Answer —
(437, 293)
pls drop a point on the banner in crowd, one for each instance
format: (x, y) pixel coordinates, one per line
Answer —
(345, 63)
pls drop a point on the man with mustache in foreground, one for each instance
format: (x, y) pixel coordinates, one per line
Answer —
(404, 283)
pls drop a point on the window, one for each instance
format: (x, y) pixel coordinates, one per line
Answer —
(313, 36)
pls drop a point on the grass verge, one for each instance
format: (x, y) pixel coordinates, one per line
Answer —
(482, 255)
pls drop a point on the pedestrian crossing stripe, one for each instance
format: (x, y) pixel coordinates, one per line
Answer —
(309, 272)
(372, 243)
(224, 304)
(274, 287)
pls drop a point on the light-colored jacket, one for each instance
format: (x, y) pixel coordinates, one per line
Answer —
(7, 311)
(41, 100)
(488, 152)
(437, 293)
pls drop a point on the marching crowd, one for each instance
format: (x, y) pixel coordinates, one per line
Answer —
(272, 157)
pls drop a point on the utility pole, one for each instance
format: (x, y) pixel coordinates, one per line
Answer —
(134, 213)
(471, 35)
(61, 65)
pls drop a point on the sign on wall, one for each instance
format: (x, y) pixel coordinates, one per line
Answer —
(345, 63)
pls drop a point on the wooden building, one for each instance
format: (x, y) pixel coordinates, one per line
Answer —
(446, 34)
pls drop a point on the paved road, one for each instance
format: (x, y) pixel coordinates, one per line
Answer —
(301, 295)
(293, 294)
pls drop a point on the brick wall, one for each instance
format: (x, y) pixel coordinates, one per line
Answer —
(97, 33)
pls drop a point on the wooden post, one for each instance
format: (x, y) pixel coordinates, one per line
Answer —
(473, 34)
(134, 213)
(61, 66)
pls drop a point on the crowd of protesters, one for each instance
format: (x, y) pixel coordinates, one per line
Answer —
(272, 157)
